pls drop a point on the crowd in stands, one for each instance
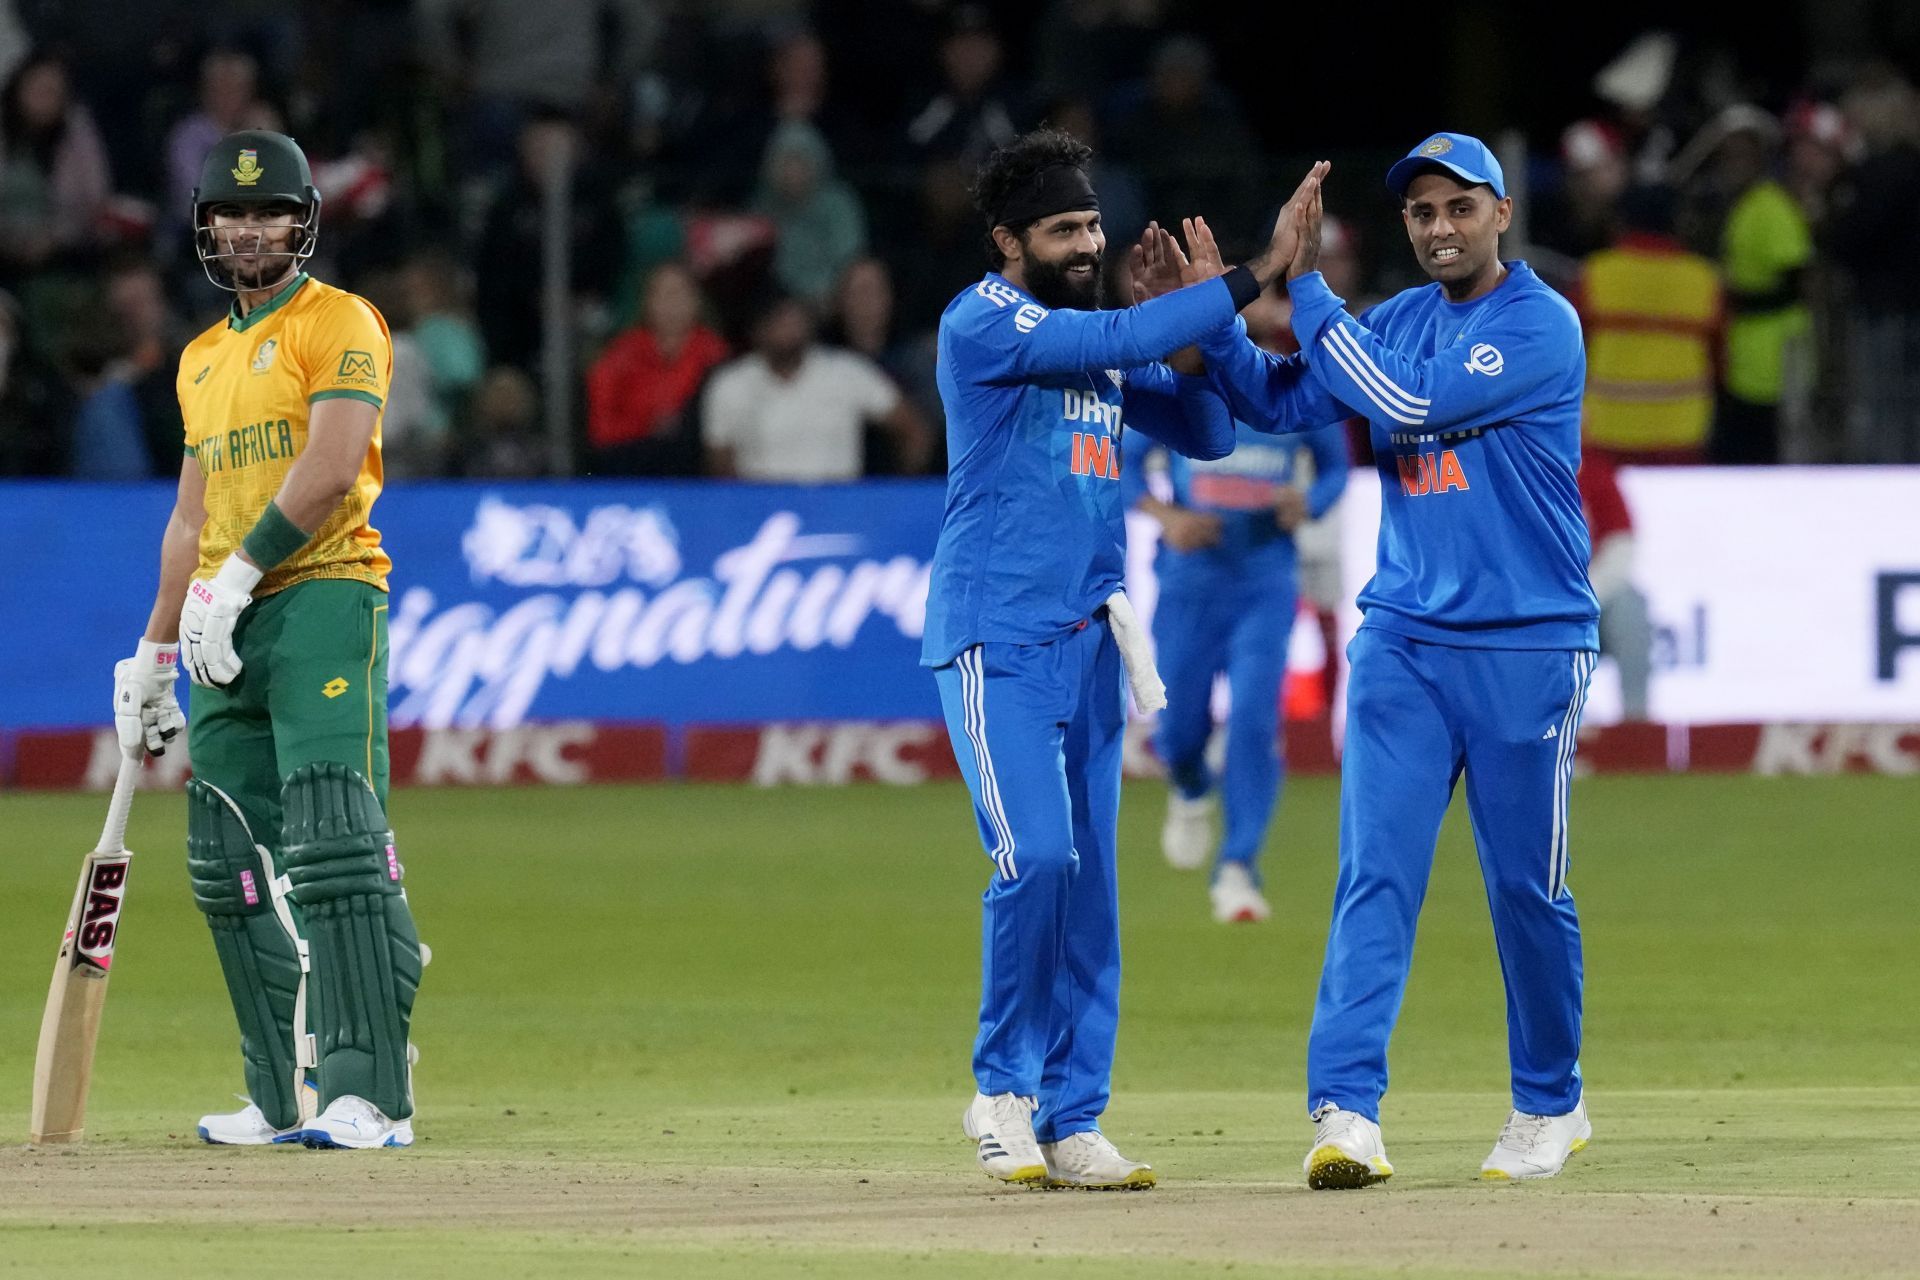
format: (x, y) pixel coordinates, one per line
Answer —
(757, 248)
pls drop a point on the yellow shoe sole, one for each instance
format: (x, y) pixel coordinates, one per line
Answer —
(1029, 1175)
(1501, 1175)
(1138, 1180)
(1331, 1169)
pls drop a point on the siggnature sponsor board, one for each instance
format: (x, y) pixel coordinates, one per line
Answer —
(1783, 596)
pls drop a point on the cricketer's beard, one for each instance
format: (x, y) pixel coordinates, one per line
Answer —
(1049, 282)
(271, 268)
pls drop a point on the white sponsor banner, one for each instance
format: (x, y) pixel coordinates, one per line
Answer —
(1776, 594)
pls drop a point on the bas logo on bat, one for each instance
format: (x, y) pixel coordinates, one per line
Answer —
(100, 918)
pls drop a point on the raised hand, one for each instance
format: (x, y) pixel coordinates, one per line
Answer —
(1285, 242)
(1203, 252)
(1156, 264)
(1311, 217)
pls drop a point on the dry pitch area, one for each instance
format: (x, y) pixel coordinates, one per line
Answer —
(731, 1192)
(710, 1032)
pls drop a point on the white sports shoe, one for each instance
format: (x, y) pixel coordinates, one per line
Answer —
(1236, 899)
(1002, 1126)
(356, 1124)
(246, 1127)
(1537, 1146)
(1186, 838)
(1088, 1162)
(1347, 1151)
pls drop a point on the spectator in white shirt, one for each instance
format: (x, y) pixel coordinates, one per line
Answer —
(795, 412)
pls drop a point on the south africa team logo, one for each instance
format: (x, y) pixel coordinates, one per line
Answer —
(247, 171)
(263, 358)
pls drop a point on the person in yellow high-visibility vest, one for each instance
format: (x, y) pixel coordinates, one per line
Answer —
(1653, 313)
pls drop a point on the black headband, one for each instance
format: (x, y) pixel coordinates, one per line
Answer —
(1061, 188)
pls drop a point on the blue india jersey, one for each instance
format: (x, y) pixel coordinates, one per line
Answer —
(1474, 411)
(1254, 552)
(1038, 403)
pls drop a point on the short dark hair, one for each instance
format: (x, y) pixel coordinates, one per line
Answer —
(1013, 166)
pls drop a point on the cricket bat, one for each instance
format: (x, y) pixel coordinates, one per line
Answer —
(63, 1067)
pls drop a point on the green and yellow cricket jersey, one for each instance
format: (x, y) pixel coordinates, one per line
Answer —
(245, 389)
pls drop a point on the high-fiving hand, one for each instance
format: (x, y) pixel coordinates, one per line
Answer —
(1298, 219)
(1156, 265)
(1202, 250)
(1309, 217)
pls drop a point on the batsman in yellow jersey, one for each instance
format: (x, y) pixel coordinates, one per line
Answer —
(273, 595)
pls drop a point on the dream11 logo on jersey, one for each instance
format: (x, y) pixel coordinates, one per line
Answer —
(611, 593)
(1095, 452)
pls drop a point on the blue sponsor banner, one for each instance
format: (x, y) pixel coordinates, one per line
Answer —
(671, 601)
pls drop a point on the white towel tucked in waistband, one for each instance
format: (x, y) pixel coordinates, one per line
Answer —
(1149, 692)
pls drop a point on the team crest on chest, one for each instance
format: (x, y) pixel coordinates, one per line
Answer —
(263, 358)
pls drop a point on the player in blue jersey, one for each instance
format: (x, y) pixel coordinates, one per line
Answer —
(1478, 638)
(1027, 632)
(1228, 575)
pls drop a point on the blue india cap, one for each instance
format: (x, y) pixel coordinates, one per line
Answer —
(1465, 157)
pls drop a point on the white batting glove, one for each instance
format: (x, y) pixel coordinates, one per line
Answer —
(145, 713)
(208, 618)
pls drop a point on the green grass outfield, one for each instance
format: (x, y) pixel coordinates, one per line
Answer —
(686, 1030)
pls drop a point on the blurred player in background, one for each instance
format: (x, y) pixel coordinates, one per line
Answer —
(1228, 574)
(1478, 639)
(1028, 633)
(1626, 624)
(275, 583)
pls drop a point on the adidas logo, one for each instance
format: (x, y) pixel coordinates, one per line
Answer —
(1553, 731)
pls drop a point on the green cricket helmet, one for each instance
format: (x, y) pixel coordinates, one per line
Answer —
(255, 167)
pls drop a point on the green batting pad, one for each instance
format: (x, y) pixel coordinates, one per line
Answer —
(232, 885)
(365, 953)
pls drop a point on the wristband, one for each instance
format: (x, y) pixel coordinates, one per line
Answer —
(271, 540)
(1243, 286)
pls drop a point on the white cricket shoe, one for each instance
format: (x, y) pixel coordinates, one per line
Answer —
(1236, 898)
(1002, 1128)
(356, 1124)
(246, 1127)
(1088, 1162)
(1186, 838)
(1537, 1146)
(1347, 1151)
